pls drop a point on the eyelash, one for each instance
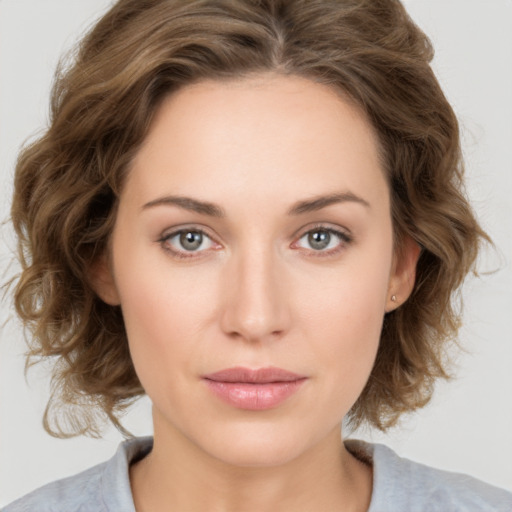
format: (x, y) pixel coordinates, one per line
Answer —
(344, 240)
(164, 242)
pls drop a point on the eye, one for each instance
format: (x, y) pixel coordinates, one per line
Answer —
(186, 242)
(322, 239)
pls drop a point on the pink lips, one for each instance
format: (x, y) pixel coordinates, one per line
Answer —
(254, 390)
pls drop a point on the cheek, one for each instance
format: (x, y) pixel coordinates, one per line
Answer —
(344, 321)
(347, 328)
(350, 299)
(346, 357)
(168, 317)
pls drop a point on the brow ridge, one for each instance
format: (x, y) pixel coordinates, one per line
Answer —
(320, 202)
(299, 208)
(188, 203)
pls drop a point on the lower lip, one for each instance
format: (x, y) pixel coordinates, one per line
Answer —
(254, 397)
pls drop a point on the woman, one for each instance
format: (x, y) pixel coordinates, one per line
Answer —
(252, 212)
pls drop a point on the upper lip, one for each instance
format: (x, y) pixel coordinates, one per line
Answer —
(256, 376)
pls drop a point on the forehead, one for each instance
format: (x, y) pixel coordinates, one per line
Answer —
(267, 135)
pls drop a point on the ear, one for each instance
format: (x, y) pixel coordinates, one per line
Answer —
(102, 281)
(403, 273)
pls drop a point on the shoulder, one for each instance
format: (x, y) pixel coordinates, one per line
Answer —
(102, 488)
(400, 484)
(73, 494)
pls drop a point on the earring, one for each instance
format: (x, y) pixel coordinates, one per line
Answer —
(393, 298)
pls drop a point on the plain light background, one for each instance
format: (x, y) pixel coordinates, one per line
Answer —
(468, 425)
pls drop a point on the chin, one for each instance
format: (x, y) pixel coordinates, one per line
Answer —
(257, 445)
(262, 454)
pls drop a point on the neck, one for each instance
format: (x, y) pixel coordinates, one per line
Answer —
(178, 475)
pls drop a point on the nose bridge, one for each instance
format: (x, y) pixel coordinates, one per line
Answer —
(255, 306)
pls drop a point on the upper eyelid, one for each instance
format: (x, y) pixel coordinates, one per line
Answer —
(341, 234)
(166, 233)
(170, 232)
(327, 226)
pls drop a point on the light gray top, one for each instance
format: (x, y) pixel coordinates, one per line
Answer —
(399, 485)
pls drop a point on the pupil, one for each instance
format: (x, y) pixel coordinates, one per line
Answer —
(319, 239)
(191, 240)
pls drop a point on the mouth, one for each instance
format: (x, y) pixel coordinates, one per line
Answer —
(256, 390)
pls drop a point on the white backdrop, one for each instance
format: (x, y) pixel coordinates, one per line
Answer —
(468, 426)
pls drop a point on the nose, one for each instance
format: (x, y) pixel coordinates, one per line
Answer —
(255, 298)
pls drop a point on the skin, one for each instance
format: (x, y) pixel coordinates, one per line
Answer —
(256, 293)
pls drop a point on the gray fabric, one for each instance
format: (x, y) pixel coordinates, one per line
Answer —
(399, 485)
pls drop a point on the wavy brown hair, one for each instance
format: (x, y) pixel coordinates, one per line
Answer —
(68, 182)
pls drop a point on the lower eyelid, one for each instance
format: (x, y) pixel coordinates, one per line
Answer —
(165, 242)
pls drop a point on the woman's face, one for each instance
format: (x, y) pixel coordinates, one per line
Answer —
(254, 232)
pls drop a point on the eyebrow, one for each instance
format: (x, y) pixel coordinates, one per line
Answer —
(187, 203)
(319, 202)
(299, 208)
